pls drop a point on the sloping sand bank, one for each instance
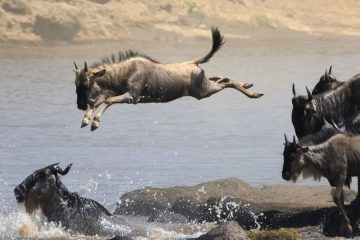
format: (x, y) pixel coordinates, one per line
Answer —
(84, 20)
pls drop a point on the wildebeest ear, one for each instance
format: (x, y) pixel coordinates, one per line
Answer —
(100, 73)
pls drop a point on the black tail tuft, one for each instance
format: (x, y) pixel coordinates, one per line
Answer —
(217, 42)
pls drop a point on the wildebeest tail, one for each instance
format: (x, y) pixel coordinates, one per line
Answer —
(217, 42)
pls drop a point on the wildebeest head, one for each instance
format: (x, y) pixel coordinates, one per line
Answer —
(293, 160)
(327, 82)
(39, 186)
(84, 81)
(298, 112)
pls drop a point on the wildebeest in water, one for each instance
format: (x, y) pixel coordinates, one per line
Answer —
(137, 78)
(43, 191)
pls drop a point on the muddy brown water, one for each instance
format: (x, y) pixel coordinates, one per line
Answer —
(183, 142)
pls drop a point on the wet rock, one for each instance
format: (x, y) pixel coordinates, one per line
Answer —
(60, 27)
(18, 7)
(167, 217)
(225, 231)
(328, 219)
(120, 238)
(181, 199)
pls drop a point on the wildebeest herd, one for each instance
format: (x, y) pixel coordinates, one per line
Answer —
(326, 121)
(323, 149)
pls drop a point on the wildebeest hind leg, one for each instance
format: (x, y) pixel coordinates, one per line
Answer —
(125, 98)
(228, 83)
(339, 198)
(220, 79)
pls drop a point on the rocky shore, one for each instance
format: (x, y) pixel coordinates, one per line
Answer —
(237, 206)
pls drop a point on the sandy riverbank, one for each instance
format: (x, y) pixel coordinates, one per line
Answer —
(87, 20)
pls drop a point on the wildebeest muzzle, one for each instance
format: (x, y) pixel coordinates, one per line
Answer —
(286, 175)
(82, 98)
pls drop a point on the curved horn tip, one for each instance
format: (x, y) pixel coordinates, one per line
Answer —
(76, 67)
(330, 69)
(85, 67)
(294, 140)
(293, 89)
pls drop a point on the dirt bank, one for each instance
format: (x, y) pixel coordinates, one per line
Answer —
(86, 20)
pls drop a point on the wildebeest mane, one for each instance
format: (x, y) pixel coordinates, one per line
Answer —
(120, 57)
(75, 200)
(334, 104)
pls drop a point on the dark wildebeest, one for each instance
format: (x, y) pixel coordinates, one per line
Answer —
(136, 78)
(339, 103)
(327, 82)
(337, 159)
(302, 125)
(44, 191)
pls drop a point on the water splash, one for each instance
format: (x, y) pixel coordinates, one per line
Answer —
(21, 225)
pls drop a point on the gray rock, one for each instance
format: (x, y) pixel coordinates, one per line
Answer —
(167, 217)
(56, 28)
(226, 231)
(18, 7)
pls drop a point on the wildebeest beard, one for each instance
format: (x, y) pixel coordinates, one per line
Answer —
(313, 122)
(82, 97)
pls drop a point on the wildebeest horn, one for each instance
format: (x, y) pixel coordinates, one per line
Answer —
(335, 125)
(76, 67)
(294, 140)
(309, 94)
(86, 67)
(293, 89)
(63, 172)
(330, 69)
(286, 140)
(326, 76)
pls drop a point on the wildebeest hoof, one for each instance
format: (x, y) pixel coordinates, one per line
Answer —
(94, 126)
(257, 95)
(84, 122)
(248, 85)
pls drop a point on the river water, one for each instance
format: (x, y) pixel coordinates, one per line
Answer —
(183, 142)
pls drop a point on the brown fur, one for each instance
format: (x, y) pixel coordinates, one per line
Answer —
(138, 79)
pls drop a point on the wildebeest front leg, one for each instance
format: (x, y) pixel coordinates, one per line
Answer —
(339, 200)
(228, 83)
(125, 98)
(89, 113)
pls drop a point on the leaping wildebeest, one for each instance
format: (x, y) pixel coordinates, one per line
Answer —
(337, 159)
(43, 191)
(137, 78)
